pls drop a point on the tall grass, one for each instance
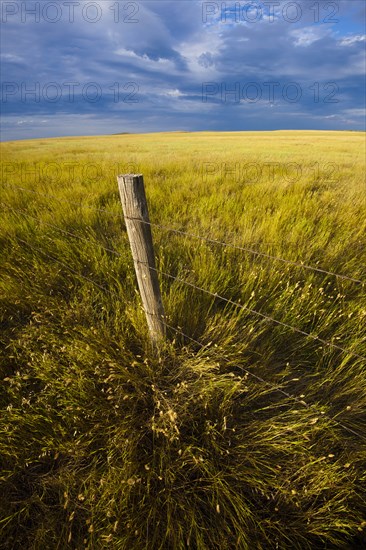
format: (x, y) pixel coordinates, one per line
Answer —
(103, 443)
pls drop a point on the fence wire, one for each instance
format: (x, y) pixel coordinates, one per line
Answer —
(274, 387)
(254, 312)
(216, 296)
(300, 265)
(250, 251)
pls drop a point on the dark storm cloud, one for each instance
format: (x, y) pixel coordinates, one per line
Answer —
(163, 65)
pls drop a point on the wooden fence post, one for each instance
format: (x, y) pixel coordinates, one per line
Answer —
(134, 204)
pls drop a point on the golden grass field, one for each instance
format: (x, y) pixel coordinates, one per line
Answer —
(251, 438)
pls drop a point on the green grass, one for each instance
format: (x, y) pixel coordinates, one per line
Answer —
(106, 444)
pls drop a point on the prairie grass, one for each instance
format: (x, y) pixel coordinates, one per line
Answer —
(106, 444)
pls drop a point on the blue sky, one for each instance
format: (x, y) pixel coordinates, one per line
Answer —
(86, 68)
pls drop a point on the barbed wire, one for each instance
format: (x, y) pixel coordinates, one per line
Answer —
(273, 386)
(170, 276)
(300, 264)
(202, 346)
(253, 311)
(215, 295)
(115, 214)
(254, 252)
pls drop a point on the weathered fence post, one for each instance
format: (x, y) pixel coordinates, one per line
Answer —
(134, 204)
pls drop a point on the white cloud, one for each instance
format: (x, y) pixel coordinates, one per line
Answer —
(145, 62)
(199, 54)
(350, 40)
(174, 93)
(356, 112)
(25, 121)
(11, 57)
(308, 35)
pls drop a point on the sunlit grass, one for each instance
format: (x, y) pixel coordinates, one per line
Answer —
(103, 443)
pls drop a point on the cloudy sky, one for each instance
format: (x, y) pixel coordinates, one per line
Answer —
(102, 67)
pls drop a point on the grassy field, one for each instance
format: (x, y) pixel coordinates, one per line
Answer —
(106, 444)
